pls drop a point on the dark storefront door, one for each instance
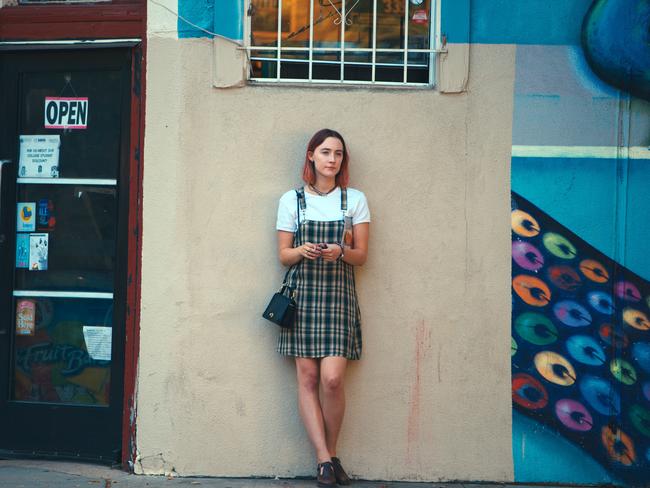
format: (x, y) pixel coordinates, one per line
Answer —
(64, 140)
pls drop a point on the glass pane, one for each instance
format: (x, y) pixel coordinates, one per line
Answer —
(418, 69)
(419, 23)
(356, 72)
(295, 23)
(390, 67)
(327, 23)
(294, 71)
(264, 22)
(63, 350)
(263, 64)
(326, 66)
(70, 244)
(390, 24)
(358, 56)
(93, 152)
(358, 30)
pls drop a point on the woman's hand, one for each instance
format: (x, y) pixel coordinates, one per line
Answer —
(310, 251)
(331, 252)
(290, 255)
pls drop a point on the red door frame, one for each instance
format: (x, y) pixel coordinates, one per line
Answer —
(120, 19)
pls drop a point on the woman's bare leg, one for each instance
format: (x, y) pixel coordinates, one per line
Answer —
(332, 371)
(307, 370)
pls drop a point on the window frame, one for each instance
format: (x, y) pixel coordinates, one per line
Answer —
(435, 43)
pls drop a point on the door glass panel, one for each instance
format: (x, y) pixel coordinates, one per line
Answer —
(79, 222)
(94, 151)
(63, 350)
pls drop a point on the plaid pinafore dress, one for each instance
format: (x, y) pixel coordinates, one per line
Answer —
(328, 320)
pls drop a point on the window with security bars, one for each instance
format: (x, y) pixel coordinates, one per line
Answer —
(384, 42)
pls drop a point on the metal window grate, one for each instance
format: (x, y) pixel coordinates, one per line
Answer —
(396, 41)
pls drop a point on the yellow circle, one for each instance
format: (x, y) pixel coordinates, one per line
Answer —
(636, 318)
(555, 368)
(524, 224)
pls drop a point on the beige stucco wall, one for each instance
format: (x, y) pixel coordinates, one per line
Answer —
(430, 400)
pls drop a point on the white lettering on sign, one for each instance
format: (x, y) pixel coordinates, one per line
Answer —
(66, 113)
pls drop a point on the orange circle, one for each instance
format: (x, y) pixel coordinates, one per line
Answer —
(531, 290)
(594, 271)
(619, 445)
(636, 318)
(524, 224)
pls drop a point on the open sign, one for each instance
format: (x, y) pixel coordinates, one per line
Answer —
(66, 113)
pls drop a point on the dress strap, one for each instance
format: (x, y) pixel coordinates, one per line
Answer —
(300, 193)
(344, 200)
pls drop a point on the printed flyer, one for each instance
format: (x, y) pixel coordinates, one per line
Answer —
(38, 252)
(39, 156)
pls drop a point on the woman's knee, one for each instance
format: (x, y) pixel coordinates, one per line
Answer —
(332, 381)
(308, 375)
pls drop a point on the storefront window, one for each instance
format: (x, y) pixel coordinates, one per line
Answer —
(354, 41)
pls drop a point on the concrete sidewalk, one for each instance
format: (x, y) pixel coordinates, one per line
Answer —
(58, 474)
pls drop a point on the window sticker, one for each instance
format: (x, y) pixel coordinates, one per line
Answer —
(26, 218)
(98, 342)
(38, 252)
(66, 113)
(22, 251)
(45, 219)
(25, 317)
(39, 156)
(420, 17)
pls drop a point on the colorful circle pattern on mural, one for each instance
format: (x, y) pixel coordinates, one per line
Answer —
(581, 343)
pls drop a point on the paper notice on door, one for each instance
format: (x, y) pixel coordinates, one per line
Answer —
(39, 156)
(98, 342)
(25, 317)
(38, 252)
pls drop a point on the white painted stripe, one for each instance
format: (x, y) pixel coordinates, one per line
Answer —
(66, 181)
(62, 294)
(602, 152)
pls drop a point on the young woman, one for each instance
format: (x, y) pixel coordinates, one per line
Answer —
(333, 237)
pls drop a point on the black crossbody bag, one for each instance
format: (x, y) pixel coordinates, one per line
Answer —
(281, 310)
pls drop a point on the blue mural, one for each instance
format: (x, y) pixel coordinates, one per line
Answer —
(581, 343)
(616, 41)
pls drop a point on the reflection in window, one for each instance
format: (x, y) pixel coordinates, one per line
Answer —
(366, 41)
(63, 351)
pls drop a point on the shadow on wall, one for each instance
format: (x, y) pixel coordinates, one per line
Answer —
(580, 353)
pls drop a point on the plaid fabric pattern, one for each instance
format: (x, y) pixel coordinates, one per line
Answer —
(328, 321)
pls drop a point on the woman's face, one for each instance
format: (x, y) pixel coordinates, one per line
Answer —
(328, 157)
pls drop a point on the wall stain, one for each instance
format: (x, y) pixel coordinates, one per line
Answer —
(422, 347)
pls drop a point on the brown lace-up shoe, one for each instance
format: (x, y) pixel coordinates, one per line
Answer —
(342, 477)
(325, 475)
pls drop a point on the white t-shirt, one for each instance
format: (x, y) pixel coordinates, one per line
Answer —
(322, 208)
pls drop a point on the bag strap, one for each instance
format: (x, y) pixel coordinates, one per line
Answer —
(301, 204)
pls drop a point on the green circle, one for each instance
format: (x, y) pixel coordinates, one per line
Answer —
(640, 418)
(536, 329)
(623, 371)
(559, 246)
(513, 346)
